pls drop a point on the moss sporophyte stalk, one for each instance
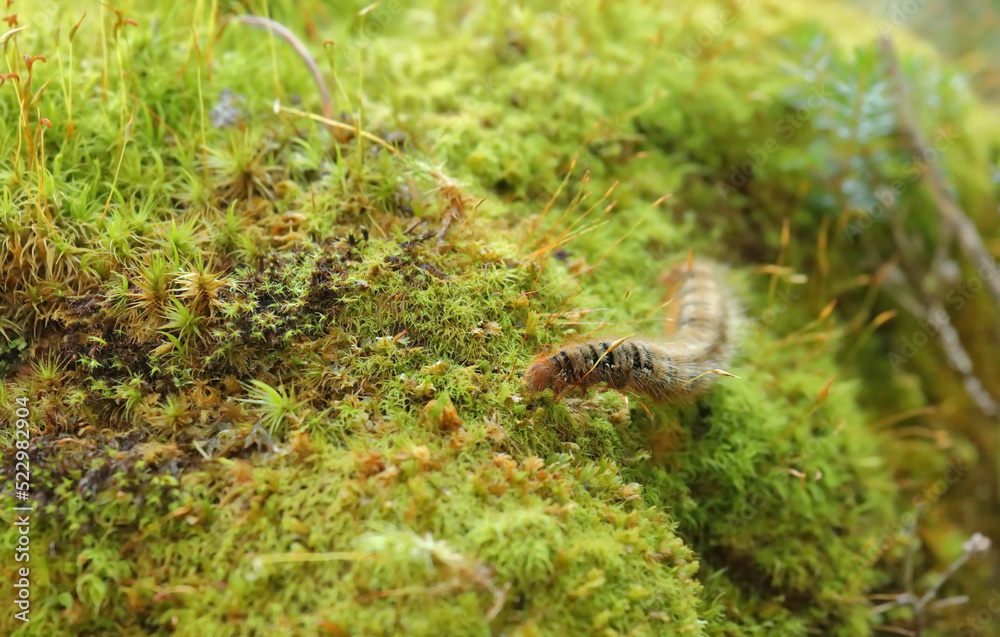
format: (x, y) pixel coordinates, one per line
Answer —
(275, 337)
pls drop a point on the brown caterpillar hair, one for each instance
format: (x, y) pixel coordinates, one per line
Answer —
(676, 369)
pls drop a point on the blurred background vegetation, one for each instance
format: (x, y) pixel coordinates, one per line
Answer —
(225, 366)
(967, 32)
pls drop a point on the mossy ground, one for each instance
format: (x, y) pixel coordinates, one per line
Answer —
(274, 368)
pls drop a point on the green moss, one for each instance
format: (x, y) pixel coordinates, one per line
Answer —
(274, 369)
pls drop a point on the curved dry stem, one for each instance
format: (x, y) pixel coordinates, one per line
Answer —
(284, 33)
(332, 123)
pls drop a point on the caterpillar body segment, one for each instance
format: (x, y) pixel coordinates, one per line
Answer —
(677, 368)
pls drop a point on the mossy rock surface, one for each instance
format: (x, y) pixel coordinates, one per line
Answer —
(273, 368)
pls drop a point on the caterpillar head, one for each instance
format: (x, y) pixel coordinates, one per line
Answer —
(544, 374)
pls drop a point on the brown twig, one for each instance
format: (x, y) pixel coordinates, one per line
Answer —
(978, 544)
(932, 312)
(953, 220)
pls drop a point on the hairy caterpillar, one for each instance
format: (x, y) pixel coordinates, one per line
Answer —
(678, 368)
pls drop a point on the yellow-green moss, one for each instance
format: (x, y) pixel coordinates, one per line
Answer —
(270, 399)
